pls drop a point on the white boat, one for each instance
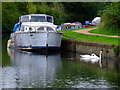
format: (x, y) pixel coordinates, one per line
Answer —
(35, 31)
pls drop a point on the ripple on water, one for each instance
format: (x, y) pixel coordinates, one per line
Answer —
(86, 84)
(9, 77)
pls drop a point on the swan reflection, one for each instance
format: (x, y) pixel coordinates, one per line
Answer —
(34, 69)
(92, 58)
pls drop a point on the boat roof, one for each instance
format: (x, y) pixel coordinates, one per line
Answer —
(36, 15)
(39, 24)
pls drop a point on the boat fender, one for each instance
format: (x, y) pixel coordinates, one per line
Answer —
(9, 43)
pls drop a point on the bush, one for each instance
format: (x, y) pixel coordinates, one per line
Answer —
(10, 16)
(110, 18)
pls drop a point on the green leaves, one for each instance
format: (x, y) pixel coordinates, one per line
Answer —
(31, 8)
(61, 11)
(111, 16)
(11, 12)
(55, 9)
(10, 16)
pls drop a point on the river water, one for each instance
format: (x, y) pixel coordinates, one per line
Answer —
(21, 69)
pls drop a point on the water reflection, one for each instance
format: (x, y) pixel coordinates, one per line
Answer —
(58, 70)
(30, 69)
(108, 73)
(93, 61)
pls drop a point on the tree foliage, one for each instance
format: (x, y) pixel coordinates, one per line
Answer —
(110, 16)
(82, 11)
(10, 15)
(12, 11)
(61, 11)
(55, 9)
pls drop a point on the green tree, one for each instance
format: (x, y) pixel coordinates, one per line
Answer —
(26, 7)
(10, 16)
(31, 8)
(61, 11)
(11, 11)
(110, 16)
(82, 11)
(52, 8)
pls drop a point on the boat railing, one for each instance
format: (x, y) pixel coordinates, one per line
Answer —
(27, 28)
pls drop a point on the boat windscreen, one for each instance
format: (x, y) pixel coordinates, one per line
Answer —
(37, 18)
(49, 19)
(25, 19)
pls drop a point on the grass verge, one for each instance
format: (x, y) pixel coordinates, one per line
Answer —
(106, 31)
(68, 34)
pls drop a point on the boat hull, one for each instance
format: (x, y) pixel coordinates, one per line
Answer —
(36, 40)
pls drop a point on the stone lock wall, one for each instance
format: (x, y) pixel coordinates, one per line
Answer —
(88, 48)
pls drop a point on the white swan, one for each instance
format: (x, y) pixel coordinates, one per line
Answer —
(87, 56)
(92, 56)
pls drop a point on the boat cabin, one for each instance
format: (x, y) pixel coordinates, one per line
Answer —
(35, 23)
(36, 18)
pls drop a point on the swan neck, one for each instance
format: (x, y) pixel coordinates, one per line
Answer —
(100, 55)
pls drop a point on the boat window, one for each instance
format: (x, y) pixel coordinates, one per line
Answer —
(50, 29)
(40, 29)
(49, 19)
(37, 18)
(25, 19)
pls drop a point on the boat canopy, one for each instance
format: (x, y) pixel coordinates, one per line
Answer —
(96, 20)
(36, 18)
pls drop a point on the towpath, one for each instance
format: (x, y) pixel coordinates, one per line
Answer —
(85, 31)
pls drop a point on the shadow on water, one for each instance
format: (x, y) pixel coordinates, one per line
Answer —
(22, 69)
(5, 57)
